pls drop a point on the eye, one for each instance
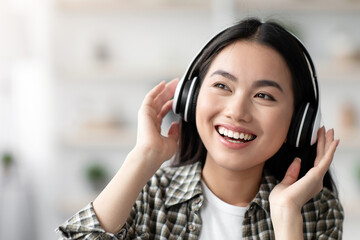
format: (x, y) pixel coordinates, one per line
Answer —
(265, 96)
(222, 86)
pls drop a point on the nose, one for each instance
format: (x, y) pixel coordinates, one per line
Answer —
(238, 108)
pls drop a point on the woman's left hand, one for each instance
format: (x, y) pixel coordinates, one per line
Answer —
(288, 197)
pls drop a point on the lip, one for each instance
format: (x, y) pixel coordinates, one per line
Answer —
(232, 145)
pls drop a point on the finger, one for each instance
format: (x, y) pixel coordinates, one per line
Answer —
(150, 96)
(165, 109)
(166, 94)
(321, 142)
(329, 138)
(292, 172)
(327, 141)
(174, 131)
(326, 161)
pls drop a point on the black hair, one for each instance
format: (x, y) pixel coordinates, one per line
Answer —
(272, 34)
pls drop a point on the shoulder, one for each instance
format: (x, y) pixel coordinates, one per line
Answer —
(323, 216)
(173, 185)
(324, 205)
(168, 175)
(178, 181)
(326, 199)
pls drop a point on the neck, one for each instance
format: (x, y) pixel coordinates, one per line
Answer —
(236, 187)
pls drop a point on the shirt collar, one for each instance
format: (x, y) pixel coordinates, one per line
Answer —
(261, 199)
(186, 184)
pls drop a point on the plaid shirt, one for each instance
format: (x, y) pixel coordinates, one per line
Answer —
(169, 205)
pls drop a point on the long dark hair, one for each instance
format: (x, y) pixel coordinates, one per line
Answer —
(272, 34)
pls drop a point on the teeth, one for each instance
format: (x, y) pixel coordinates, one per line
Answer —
(221, 130)
(241, 136)
(246, 137)
(233, 141)
(235, 135)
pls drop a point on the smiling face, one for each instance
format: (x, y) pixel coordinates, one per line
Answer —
(245, 106)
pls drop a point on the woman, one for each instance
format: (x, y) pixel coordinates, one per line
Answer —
(248, 96)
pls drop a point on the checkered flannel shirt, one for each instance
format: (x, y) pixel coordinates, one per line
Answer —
(169, 205)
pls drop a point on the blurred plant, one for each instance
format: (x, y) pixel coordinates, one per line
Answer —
(97, 175)
(357, 169)
(7, 160)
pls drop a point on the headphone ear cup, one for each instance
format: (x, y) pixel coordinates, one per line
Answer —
(183, 98)
(316, 127)
(301, 128)
(294, 126)
(192, 115)
(306, 131)
(186, 107)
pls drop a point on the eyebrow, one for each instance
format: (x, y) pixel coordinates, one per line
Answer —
(256, 84)
(267, 83)
(225, 75)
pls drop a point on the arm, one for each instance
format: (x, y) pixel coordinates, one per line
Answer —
(289, 196)
(113, 205)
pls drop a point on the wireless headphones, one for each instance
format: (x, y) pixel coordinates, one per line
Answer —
(305, 123)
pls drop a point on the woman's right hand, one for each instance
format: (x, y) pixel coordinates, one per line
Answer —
(113, 205)
(150, 142)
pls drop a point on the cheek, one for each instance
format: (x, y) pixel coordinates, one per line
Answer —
(278, 123)
(205, 106)
(206, 110)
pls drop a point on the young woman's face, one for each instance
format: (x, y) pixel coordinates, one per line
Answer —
(245, 106)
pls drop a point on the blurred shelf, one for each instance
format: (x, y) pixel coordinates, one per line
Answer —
(119, 74)
(111, 138)
(204, 5)
(134, 5)
(339, 71)
(299, 6)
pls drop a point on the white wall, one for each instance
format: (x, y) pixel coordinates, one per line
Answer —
(62, 108)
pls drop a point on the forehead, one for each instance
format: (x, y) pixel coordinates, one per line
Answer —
(253, 60)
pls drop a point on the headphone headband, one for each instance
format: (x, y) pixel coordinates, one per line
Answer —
(189, 72)
(310, 64)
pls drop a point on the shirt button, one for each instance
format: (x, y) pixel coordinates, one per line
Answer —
(192, 227)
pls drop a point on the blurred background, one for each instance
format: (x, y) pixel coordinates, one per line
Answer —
(74, 72)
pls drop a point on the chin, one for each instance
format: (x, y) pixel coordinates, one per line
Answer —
(238, 163)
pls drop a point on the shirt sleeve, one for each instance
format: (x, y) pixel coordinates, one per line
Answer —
(85, 225)
(141, 223)
(331, 217)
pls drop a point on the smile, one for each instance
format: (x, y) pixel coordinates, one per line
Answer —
(235, 137)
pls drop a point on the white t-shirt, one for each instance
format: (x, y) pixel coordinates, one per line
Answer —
(220, 220)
